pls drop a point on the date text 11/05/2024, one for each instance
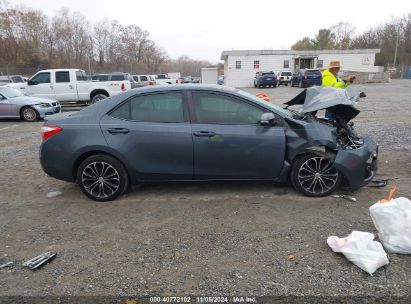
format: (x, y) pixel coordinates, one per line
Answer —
(203, 299)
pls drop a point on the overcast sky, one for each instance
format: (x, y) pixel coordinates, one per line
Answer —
(202, 29)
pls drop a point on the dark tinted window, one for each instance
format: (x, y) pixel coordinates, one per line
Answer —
(63, 76)
(41, 78)
(313, 72)
(100, 77)
(143, 78)
(286, 74)
(81, 76)
(166, 107)
(161, 76)
(117, 77)
(212, 108)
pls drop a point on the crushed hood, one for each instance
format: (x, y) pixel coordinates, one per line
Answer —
(340, 102)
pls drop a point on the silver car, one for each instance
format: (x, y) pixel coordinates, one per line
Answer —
(14, 104)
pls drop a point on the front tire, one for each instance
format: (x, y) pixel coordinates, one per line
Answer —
(29, 114)
(102, 177)
(314, 175)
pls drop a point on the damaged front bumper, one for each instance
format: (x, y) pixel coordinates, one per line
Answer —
(359, 166)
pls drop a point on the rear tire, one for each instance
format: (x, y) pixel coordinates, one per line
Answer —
(102, 177)
(98, 97)
(313, 175)
(29, 114)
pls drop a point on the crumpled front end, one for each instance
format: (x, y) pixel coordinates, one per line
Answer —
(359, 165)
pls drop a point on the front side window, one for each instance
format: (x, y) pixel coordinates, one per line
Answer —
(162, 107)
(41, 78)
(81, 76)
(210, 108)
(143, 78)
(238, 65)
(63, 76)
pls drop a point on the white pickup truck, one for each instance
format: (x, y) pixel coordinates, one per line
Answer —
(164, 79)
(71, 85)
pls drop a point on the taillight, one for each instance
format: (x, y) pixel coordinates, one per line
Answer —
(123, 87)
(150, 83)
(49, 131)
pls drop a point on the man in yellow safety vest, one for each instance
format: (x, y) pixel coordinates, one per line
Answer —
(330, 79)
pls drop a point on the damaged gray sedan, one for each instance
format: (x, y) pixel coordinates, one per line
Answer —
(202, 133)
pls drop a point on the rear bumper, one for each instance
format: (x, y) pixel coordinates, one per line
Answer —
(312, 82)
(359, 166)
(267, 82)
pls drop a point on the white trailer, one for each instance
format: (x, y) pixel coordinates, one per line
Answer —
(209, 75)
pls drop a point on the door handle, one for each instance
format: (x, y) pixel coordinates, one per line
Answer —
(118, 131)
(204, 133)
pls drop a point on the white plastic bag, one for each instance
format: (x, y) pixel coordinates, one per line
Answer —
(360, 249)
(393, 222)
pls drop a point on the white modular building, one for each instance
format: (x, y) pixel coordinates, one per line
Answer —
(240, 66)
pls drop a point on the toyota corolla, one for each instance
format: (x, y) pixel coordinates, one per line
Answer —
(202, 133)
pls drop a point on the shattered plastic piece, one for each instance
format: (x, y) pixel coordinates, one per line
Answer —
(360, 249)
(392, 219)
(40, 260)
(344, 196)
(6, 264)
(290, 257)
(54, 194)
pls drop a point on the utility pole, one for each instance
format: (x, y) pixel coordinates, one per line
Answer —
(396, 48)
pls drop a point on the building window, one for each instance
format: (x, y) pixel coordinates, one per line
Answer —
(238, 65)
(320, 63)
(286, 64)
(256, 64)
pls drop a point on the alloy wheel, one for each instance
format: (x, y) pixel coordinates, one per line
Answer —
(29, 114)
(100, 179)
(317, 175)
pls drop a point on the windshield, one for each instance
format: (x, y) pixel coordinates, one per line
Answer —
(10, 92)
(257, 100)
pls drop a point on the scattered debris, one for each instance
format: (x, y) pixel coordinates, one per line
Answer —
(40, 260)
(392, 218)
(361, 249)
(344, 196)
(81, 270)
(54, 194)
(290, 257)
(379, 183)
(6, 265)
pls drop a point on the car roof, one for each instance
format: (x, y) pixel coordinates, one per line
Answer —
(179, 87)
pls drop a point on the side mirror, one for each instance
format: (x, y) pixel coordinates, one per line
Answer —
(30, 82)
(267, 119)
(2, 97)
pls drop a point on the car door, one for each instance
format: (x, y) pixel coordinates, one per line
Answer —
(229, 142)
(64, 86)
(40, 86)
(153, 133)
(5, 107)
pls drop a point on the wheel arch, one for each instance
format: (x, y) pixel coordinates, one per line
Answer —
(87, 154)
(95, 92)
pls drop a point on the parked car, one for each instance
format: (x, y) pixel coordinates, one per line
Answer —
(14, 104)
(164, 79)
(209, 133)
(144, 80)
(307, 77)
(265, 79)
(188, 79)
(220, 80)
(14, 81)
(284, 77)
(72, 85)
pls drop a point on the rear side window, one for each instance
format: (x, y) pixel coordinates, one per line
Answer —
(165, 107)
(100, 77)
(17, 79)
(143, 78)
(117, 77)
(63, 76)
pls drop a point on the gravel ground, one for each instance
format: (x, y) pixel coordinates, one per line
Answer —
(198, 239)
